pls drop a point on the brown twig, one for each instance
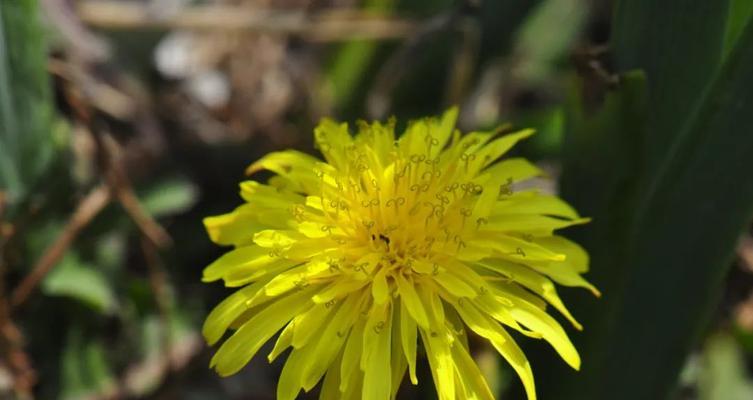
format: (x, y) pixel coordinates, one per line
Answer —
(88, 208)
(121, 186)
(110, 157)
(332, 25)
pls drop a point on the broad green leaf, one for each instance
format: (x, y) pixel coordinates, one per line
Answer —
(687, 227)
(664, 228)
(679, 44)
(74, 278)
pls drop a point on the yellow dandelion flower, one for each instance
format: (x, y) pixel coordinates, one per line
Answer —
(388, 242)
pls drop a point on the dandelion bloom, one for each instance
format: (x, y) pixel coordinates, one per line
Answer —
(355, 258)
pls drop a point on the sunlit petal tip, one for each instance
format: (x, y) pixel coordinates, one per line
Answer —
(524, 133)
(577, 325)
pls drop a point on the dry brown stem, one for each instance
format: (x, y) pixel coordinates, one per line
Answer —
(87, 209)
(329, 25)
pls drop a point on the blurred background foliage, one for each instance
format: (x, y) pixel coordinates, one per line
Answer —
(123, 123)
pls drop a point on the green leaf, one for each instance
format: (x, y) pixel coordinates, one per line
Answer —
(679, 44)
(687, 227)
(26, 128)
(83, 282)
(170, 196)
(664, 228)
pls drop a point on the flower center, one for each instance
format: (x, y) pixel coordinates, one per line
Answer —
(413, 210)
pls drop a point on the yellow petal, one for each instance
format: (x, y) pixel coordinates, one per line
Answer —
(537, 225)
(442, 130)
(397, 354)
(576, 256)
(408, 339)
(338, 289)
(550, 329)
(247, 257)
(284, 340)
(282, 162)
(442, 366)
(375, 362)
(352, 354)
(470, 375)
(309, 324)
(379, 287)
(245, 275)
(299, 277)
(411, 301)
(499, 309)
(296, 168)
(566, 272)
(234, 228)
(496, 148)
(505, 290)
(380, 137)
(246, 341)
(517, 359)
(267, 196)
(333, 139)
(501, 341)
(290, 382)
(534, 203)
(227, 311)
(413, 141)
(315, 229)
(330, 340)
(532, 280)
(478, 321)
(514, 169)
(273, 238)
(331, 385)
(454, 285)
(432, 304)
(515, 249)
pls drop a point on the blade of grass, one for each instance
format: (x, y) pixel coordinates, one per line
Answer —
(26, 116)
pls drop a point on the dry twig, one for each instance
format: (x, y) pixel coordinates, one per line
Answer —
(121, 186)
(88, 208)
(333, 25)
